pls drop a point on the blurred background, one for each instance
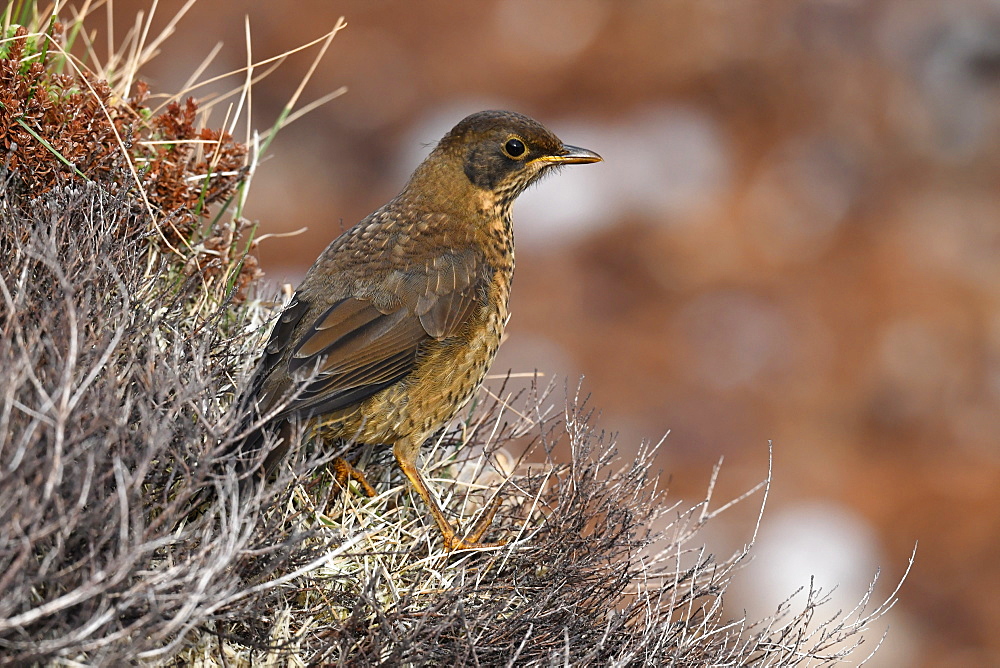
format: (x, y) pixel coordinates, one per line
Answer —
(794, 237)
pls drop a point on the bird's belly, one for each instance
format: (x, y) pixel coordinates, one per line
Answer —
(447, 374)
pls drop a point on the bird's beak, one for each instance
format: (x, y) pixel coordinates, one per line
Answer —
(571, 155)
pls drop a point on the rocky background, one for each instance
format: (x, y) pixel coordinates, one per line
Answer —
(795, 237)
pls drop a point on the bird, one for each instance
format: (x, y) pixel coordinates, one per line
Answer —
(395, 325)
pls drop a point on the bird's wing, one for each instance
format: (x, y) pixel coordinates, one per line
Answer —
(364, 343)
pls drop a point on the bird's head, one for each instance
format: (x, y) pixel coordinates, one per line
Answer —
(501, 153)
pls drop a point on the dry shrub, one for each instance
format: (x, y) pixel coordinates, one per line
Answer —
(110, 393)
(584, 582)
(120, 344)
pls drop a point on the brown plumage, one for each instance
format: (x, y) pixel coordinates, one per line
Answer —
(395, 325)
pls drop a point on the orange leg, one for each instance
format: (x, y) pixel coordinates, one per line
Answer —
(405, 455)
(343, 472)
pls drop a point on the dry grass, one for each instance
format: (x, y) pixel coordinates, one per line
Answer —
(126, 324)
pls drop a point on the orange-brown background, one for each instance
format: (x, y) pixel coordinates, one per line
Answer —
(795, 236)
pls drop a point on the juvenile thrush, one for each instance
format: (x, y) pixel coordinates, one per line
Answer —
(395, 325)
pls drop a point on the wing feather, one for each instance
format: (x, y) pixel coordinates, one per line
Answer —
(370, 340)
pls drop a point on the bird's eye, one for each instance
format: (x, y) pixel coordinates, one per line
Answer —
(514, 147)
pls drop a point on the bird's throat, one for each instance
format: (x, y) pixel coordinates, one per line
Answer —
(495, 209)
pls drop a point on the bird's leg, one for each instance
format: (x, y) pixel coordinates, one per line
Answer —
(344, 471)
(405, 453)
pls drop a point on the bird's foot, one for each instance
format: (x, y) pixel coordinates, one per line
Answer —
(344, 471)
(471, 541)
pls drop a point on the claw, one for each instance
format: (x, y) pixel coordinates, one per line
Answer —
(344, 471)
